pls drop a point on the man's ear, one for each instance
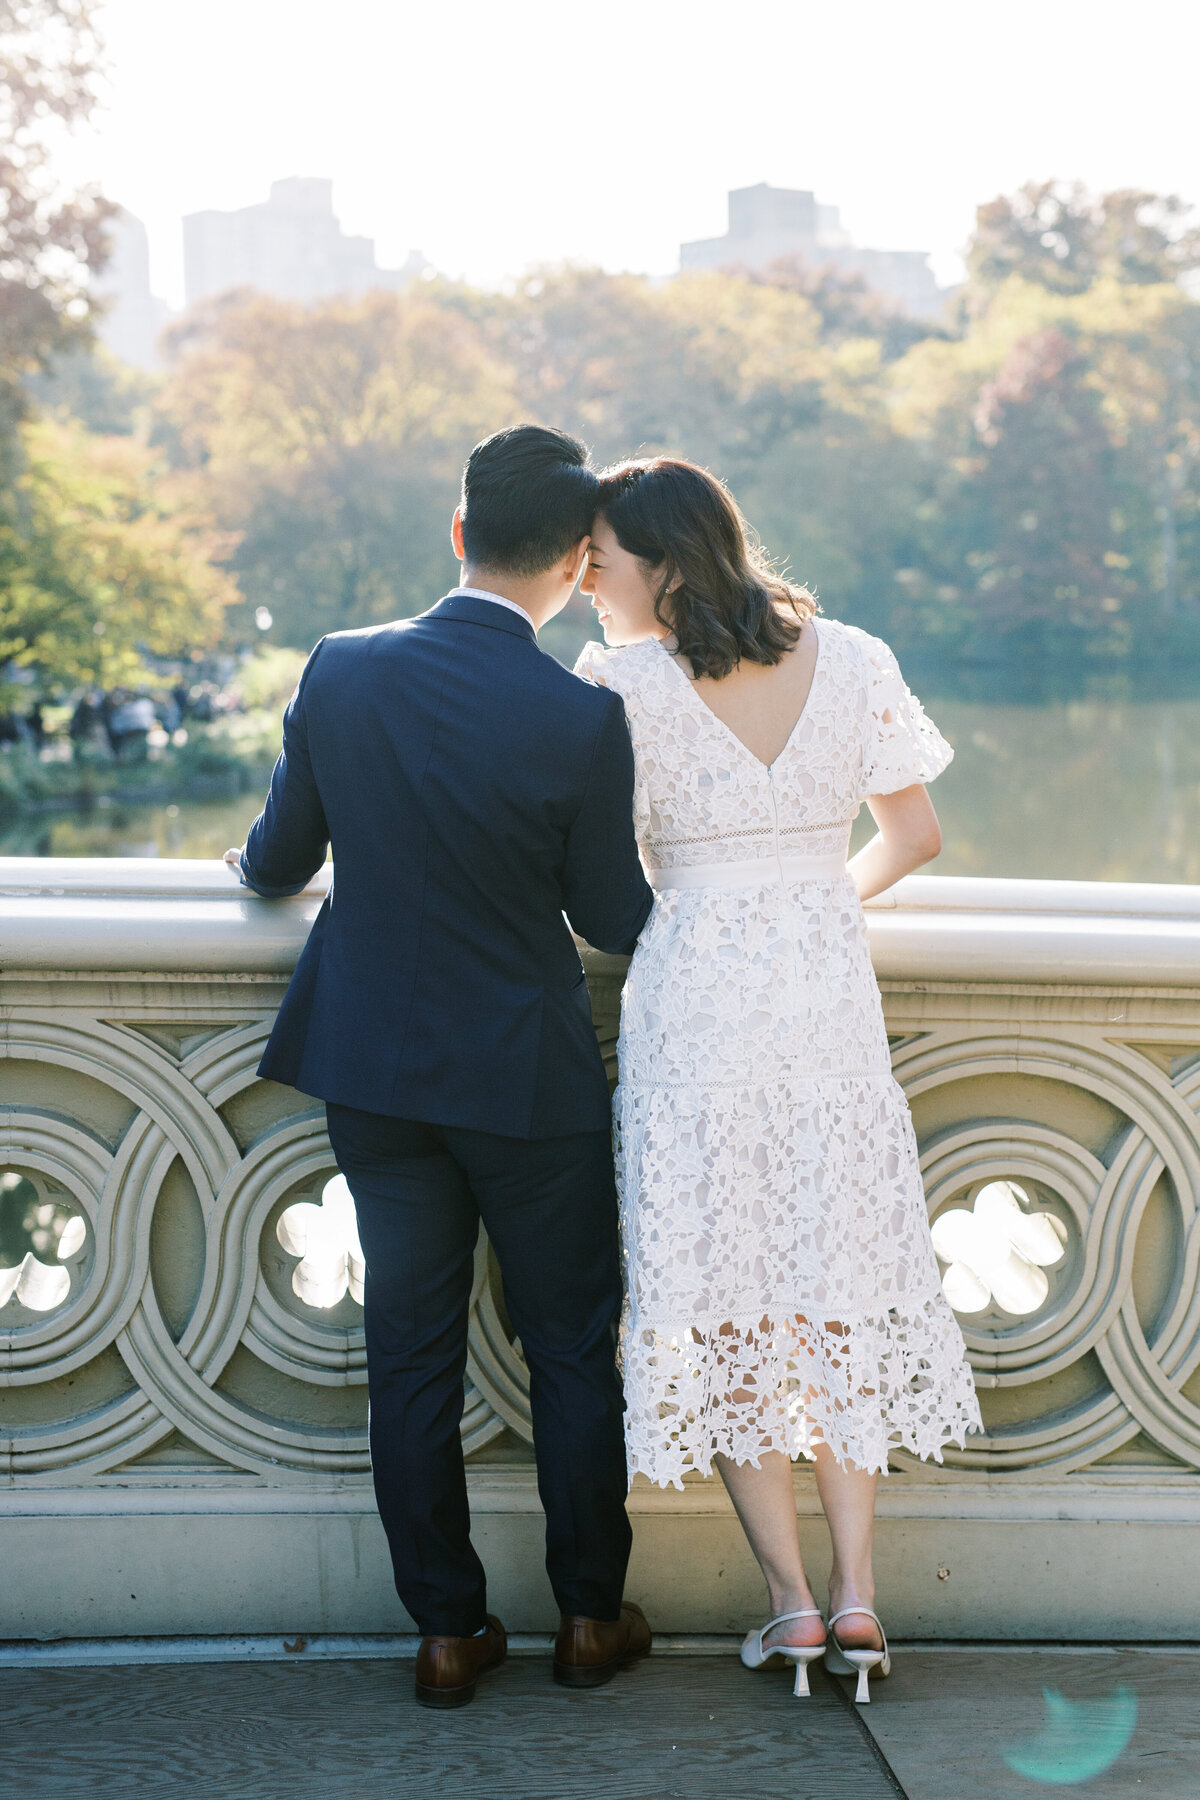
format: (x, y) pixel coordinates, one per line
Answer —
(456, 537)
(575, 559)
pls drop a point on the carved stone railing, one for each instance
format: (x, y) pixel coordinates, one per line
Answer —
(182, 1379)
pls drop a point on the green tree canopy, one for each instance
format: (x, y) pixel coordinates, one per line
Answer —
(1064, 238)
(1062, 438)
(331, 440)
(105, 557)
(1026, 474)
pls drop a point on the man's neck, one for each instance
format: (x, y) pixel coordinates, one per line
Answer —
(540, 598)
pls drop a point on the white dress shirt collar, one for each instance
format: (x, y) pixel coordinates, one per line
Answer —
(496, 599)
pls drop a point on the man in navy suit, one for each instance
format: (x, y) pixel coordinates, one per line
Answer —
(474, 792)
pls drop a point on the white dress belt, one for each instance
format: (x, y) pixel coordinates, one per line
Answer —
(764, 871)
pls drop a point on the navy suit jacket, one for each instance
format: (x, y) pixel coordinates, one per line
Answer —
(474, 791)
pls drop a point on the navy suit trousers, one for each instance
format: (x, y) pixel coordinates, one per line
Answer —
(549, 1207)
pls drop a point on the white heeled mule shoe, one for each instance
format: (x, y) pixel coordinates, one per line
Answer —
(755, 1657)
(857, 1662)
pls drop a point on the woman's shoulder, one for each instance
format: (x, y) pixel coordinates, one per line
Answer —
(857, 645)
(621, 667)
(840, 630)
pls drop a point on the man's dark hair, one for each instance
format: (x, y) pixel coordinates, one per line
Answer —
(528, 495)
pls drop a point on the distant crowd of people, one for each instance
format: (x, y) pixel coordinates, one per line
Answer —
(119, 722)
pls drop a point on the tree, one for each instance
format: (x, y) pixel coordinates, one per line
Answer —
(1062, 438)
(1146, 367)
(353, 536)
(847, 307)
(714, 367)
(1042, 493)
(90, 384)
(1059, 236)
(105, 557)
(49, 241)
(585, 351)
(1030, 479)
(331, 440)
(261, 384)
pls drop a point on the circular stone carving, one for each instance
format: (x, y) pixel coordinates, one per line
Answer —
(1102, 1202)
(294, 1340)
(997, 1245)
(111, 1298)
(66, 1160)
(45, 1248)
(959, 1162)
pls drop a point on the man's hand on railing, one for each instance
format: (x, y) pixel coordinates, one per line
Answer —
(234, 859)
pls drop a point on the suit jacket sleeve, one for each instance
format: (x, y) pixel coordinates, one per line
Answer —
(287, 842)
(606, 896)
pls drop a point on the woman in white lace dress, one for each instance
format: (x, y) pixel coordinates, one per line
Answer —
(783, 1293)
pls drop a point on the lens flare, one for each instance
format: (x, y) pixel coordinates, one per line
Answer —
(1080, 1739)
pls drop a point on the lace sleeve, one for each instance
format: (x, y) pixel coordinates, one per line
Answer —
(618, 670)
(591, 664)
(903, 745)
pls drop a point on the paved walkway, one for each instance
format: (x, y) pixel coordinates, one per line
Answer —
(696, 1727)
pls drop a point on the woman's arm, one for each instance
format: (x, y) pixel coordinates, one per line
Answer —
(909, 835)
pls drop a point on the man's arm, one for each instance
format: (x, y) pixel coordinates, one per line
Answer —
(287, 842)
(606, 896)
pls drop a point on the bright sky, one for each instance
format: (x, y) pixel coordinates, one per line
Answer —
(494, 134)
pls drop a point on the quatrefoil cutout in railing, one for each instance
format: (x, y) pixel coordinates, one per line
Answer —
(325, 1238)
(999, 1251)
(38, 1239)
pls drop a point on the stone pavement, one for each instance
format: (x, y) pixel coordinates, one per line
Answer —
(699, 1727)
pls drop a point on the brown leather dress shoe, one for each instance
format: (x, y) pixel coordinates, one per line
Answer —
(448, 1667)
(588, 1652)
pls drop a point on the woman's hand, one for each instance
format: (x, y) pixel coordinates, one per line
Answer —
(234, 859)
(909, 836)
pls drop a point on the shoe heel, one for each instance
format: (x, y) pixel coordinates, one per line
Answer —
(801, 1690)
(572, 1676)
(443, 1697)
(862, 1664)
(857, 1662)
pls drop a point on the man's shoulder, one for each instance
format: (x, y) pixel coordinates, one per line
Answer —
(342, 654)
(361, 639)
(526, 663)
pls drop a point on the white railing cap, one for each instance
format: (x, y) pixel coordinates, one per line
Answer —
(988, 893)
(168, 877)
(146, 915)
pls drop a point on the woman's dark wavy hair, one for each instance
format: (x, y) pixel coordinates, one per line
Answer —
(730, 605)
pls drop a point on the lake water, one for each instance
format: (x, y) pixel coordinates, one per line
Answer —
(1086, 789)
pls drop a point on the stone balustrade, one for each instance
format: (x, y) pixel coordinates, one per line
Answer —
(182, 1377)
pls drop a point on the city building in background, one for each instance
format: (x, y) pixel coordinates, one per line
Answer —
(291, 246)
(768, 224)
(130, 315)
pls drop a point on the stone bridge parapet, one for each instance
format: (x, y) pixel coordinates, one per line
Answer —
(182, 1375)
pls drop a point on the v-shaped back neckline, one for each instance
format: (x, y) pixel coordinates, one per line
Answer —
(730, 733)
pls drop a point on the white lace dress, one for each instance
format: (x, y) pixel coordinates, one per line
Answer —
(782, 1287)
